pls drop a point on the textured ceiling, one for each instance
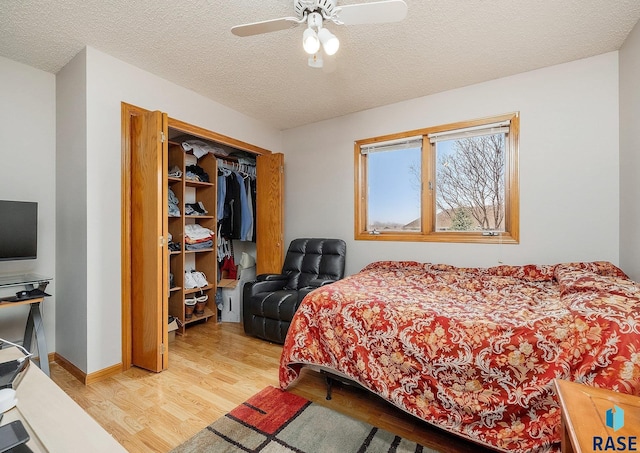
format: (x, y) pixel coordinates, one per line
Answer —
(442, 44)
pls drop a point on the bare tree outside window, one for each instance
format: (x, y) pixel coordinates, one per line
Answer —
(470, 183)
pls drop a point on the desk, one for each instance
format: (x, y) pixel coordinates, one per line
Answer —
(584, 413)
(34, 320)
(34, 324)
(53, 420)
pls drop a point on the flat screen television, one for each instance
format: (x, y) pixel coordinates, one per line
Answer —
(18, 230)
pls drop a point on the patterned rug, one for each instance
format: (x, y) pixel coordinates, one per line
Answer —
(274, 421)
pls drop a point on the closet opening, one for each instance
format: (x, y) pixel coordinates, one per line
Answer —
(211, 229)
(182, 237)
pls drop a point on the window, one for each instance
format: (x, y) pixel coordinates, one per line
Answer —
(451, 183)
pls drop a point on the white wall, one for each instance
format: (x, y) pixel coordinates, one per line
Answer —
(568, 167)
(630, 154)
(108, 82)
(71, 208)
(27, 154)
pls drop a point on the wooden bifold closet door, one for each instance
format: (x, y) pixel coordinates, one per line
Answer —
(149, 272)
(269, 200)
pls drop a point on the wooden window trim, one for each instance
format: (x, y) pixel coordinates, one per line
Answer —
(511, 235)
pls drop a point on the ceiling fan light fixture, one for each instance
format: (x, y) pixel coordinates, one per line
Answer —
(315, 13)
(315, 60)
(310, 41)
(330, 42)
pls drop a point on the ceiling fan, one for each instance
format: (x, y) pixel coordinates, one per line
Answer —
(314, 13)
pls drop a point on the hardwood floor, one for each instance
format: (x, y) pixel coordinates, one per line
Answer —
(212, 369)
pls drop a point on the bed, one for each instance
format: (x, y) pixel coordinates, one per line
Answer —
(474, 350)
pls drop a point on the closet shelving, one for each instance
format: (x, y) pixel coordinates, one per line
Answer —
(175, 229)
(202, 260)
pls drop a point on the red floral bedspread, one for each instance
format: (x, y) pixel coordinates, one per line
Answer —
(474, 351)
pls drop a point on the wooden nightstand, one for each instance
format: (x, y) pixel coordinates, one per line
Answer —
(584, 412)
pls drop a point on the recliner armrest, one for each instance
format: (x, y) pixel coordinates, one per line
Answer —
(255, 287)
(271, 277)
(318, 282)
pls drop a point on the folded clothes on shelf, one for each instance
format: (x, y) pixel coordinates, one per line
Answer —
(175, 172)
(200, 148)
(195, 209)
(196, 173)
(174, 210)
(194, 232)
(199, 245)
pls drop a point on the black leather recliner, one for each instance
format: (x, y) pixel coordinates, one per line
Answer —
(269, 303)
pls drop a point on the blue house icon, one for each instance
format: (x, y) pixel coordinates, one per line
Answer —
(615, 418)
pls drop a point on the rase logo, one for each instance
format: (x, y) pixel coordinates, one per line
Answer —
(614, 418)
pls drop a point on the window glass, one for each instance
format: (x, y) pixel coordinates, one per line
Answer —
(393, 190)
(470, 192)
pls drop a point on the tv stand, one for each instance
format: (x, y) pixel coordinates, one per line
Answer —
(34, 320)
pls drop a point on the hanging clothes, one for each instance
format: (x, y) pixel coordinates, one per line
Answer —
(236, 210)
(252, 182)
(230, 221)
(245, 210)
(247, 182)
(222, 192)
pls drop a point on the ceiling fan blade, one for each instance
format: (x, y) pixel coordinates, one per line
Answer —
(266, 26)
(372, 13)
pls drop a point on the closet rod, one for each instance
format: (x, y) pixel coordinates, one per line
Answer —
(235, 166)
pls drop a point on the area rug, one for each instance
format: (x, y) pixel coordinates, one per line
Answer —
(275, 421)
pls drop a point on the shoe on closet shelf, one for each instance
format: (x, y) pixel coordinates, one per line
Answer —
(200, 304)
(200, 279)
(189, 281)
(189, 307)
